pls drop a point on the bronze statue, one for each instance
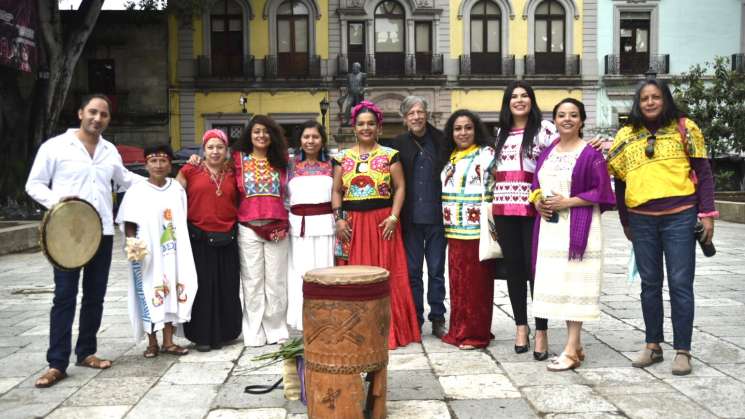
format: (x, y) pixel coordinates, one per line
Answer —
(355, 92)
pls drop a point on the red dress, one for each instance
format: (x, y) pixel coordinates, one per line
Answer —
(369, 178)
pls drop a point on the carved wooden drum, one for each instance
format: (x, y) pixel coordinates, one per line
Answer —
(71, 233)
(346, 319)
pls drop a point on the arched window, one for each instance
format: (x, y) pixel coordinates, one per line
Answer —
(389, 38)
(226, 38)
(486, 21)
(292, 38)
(550, 33)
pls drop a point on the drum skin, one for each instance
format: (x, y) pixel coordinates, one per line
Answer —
(71, 233)
(346, 320)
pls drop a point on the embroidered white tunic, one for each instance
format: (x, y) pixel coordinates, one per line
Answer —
(163, 285)
(308, 184)
(465, 185)
(566, 289)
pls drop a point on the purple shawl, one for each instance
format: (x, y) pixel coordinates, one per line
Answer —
(591, 182)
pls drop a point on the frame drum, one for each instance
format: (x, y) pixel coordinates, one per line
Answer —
(71, 233)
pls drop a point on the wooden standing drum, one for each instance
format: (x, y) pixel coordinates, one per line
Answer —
(346, 317)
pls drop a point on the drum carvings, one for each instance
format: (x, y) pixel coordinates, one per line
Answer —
(346, 319)
(71, 233)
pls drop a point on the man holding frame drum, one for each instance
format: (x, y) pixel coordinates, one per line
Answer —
(79, 164)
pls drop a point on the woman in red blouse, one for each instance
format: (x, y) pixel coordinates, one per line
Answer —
(212, 216)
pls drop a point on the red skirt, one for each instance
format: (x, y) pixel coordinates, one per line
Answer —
(368, 247)
(471, 295)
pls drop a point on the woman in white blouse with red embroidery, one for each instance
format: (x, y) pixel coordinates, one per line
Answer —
(521, 138)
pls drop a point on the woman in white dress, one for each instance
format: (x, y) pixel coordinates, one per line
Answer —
(571, 189)
(311, 219)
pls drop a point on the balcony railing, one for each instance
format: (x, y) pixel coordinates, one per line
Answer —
(226, 67)
(487, 64)
(738, 63)
(310, 69)
(414, 64)
(618, 64)
(553, 64)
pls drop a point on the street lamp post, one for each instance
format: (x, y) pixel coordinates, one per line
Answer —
(324, 104)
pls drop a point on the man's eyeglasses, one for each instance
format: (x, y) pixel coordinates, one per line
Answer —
(649, 150)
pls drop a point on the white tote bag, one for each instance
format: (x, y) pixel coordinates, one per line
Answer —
(488, 246)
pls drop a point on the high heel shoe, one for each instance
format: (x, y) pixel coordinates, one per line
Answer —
(521, 349)
(540, 356)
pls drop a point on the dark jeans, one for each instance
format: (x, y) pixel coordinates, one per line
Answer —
(515, 237)
(95, 278)
(426, 241)
(671, 236)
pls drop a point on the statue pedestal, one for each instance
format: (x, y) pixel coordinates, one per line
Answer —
(344, 137)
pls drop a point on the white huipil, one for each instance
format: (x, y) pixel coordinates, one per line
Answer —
(163, 284)
(310, 183)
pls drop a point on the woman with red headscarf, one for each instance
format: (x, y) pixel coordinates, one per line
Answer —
(212, 215)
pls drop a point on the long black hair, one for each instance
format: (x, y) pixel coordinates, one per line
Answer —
(312, 123)
(670, 111)
(480, 133)
(580, 106)
(506, 120)
(277, 153)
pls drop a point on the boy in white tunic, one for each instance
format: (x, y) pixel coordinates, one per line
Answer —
(164, 279)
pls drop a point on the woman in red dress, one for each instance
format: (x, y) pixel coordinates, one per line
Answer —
(367, 198)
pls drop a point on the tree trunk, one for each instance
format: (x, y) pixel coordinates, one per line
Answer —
(13, 136)
(62, 53)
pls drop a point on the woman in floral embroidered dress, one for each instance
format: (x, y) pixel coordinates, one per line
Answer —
(367, 197)
(260, 159)
(311, 219)
(465, 184)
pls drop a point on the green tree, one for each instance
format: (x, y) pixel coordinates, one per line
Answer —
(145, 4)
(716, 101)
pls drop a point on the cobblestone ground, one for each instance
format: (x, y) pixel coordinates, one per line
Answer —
(428, 380)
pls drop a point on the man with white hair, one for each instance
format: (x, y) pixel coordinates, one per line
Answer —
(423, 156)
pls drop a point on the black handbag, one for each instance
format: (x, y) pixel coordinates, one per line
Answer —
(213, 238)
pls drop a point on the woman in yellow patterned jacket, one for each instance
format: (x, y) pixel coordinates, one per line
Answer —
(664, 186)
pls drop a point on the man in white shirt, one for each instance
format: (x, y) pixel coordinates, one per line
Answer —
(79, 163)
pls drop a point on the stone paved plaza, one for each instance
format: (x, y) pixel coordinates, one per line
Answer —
(428, 380)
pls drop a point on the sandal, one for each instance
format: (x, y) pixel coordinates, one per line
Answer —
(563, 362)
(174, 349)
(151, 351)
(92, 361)
(50, 378)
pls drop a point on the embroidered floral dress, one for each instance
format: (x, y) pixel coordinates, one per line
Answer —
(367, 199)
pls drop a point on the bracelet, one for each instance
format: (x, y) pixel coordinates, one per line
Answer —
(392, 218)
(712, 214)
(338, 215)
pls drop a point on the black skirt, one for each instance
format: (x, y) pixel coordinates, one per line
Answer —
(216, 315)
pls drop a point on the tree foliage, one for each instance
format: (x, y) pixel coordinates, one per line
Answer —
(716, 101)
(148, 5)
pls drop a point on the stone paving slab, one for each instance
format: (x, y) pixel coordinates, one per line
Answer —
(427, 380)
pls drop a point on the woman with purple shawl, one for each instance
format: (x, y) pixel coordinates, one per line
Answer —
(570, 191)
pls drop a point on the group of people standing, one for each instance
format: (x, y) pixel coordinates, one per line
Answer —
(257, 220)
